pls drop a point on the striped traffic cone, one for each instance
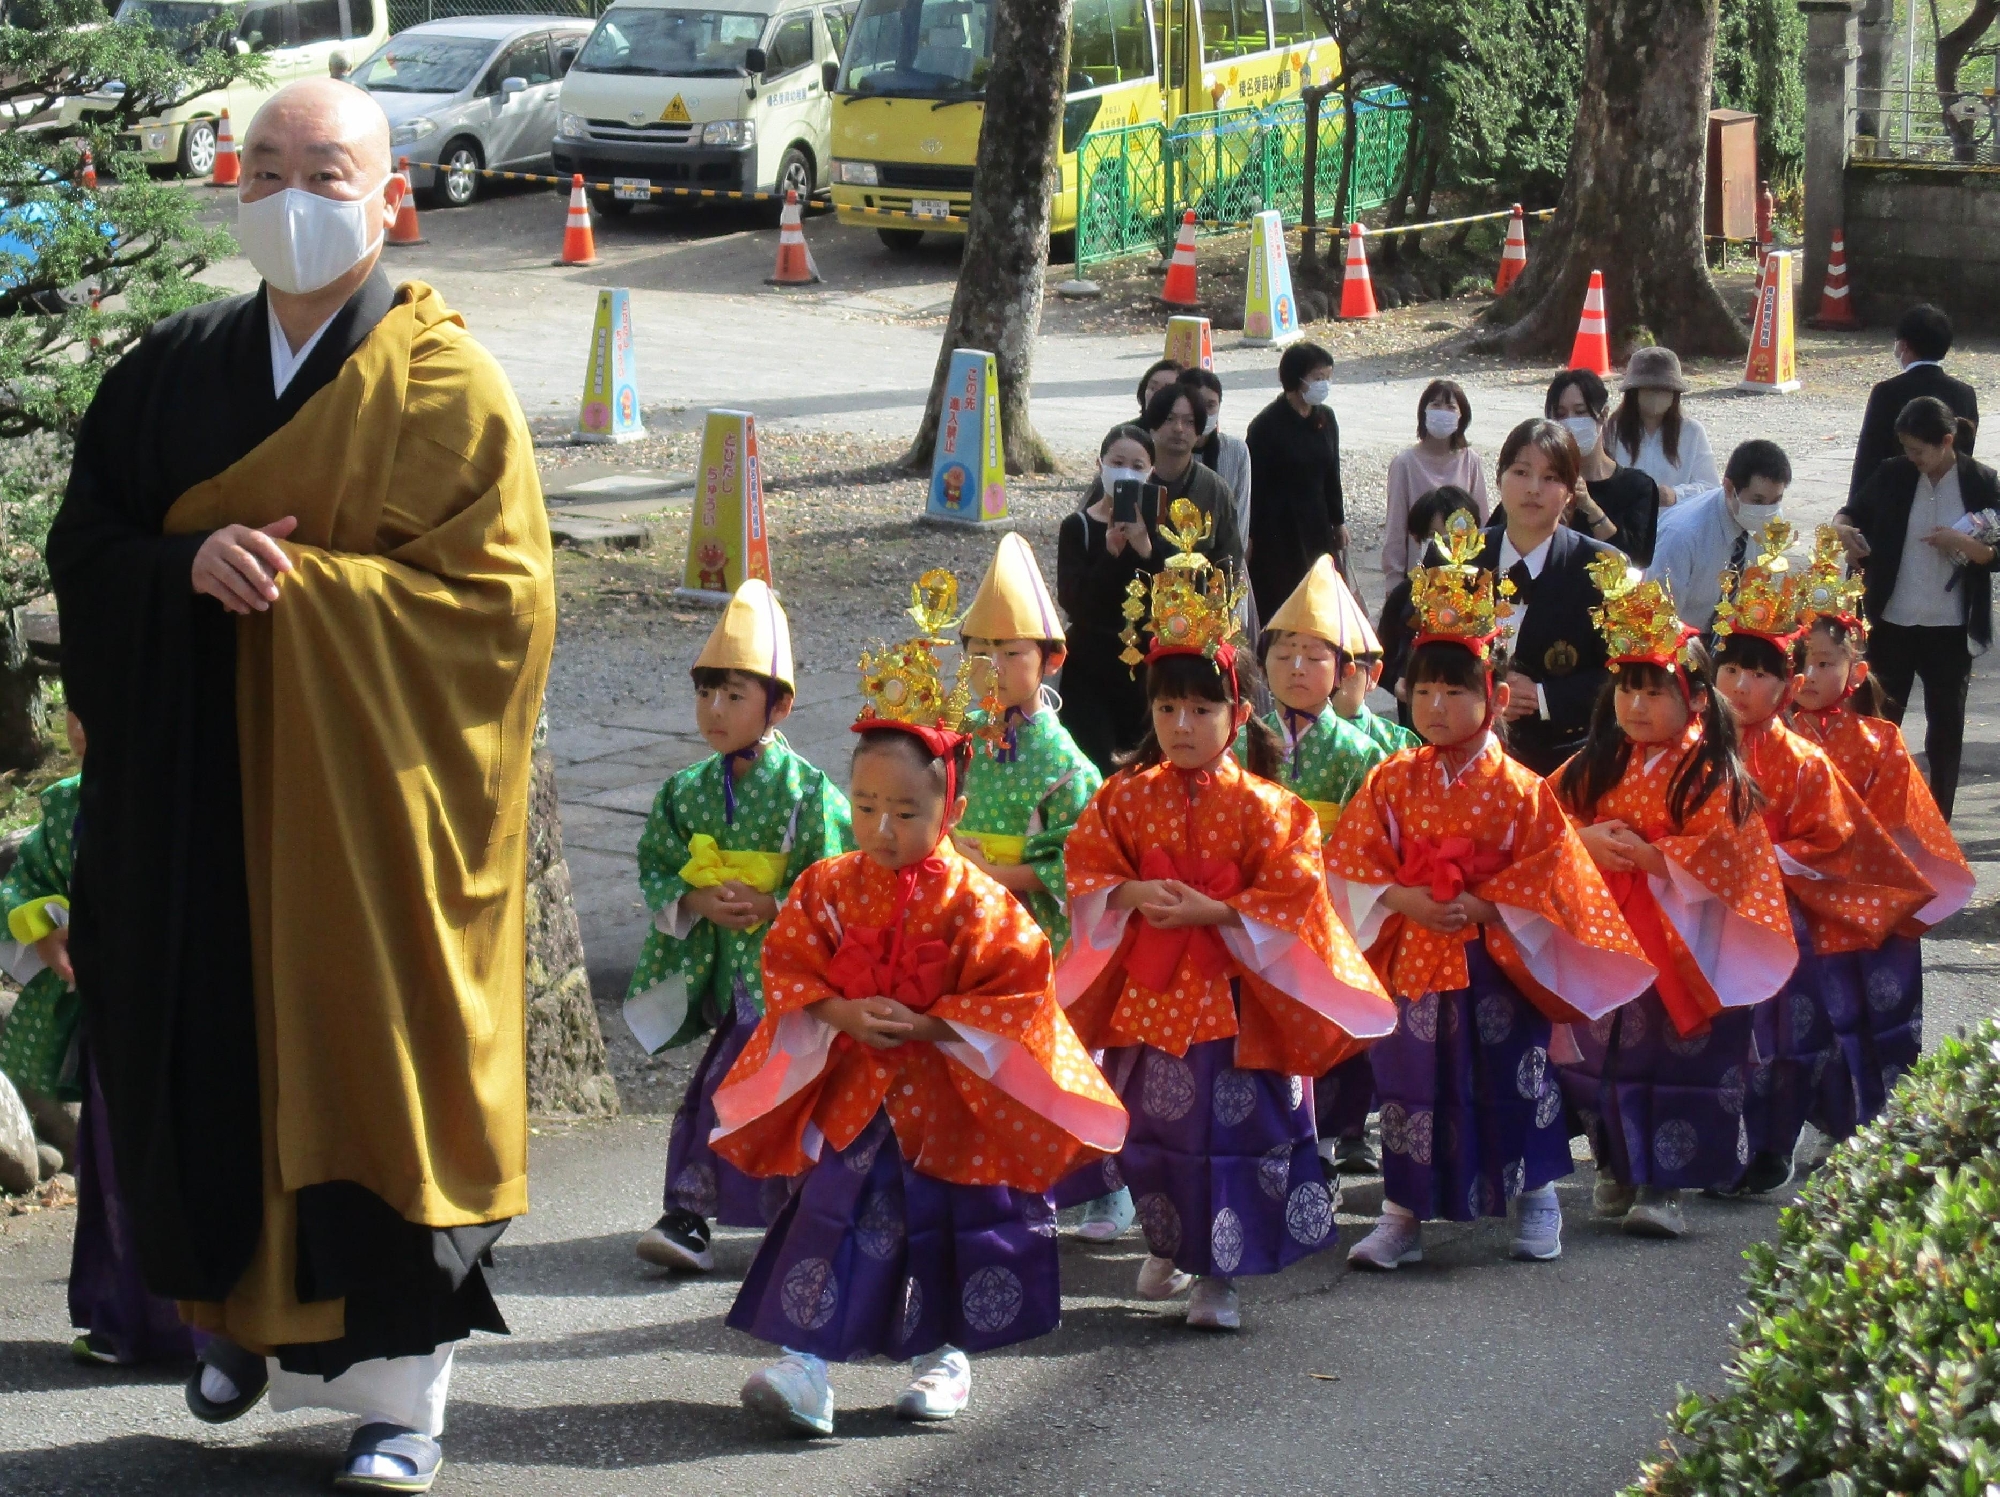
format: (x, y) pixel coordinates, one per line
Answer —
(1592, 349)
(795, 261)
(405, 230)
(228, 170)
(579, 243)
(88, 176)
(1836, 307)
(1357, 291)
(1514, 257)
(1180, 288)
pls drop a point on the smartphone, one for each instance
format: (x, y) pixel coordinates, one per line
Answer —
(1125, 501)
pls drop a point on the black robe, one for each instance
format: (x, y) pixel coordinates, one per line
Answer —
(160, 933)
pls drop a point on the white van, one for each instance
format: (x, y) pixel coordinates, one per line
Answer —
(735, 100)
(296, 39)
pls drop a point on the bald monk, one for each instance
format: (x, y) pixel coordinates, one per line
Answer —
(304, 576)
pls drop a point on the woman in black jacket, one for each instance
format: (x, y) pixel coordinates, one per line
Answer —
(1922, 530)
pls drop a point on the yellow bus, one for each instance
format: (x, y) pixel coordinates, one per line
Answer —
(909, 94)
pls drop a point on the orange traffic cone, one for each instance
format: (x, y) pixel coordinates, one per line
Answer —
(1180, 288)
(1592, 349)
(405, 230)
(1836, 307)
(88, 176)
(1357, 292)
(228, 170)
(579, 243)
(1514, 257)
(795, 261)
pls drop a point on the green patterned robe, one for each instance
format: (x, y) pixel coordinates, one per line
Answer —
(783, 805)
(1392, 735)
(38, 1044)
(1327, 764)
(1039, 796)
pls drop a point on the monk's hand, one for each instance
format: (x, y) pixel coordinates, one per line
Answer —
(1446, 918)
(1136, 892)
(729, 904)
(239, 566)
(1180, 905)
(1640, 853)
(53, 949)
(872, 1021)
(1477, 911)
(1604, 841)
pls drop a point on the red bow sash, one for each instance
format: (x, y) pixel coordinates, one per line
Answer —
(1642, 912)
(1155, 954)
(1447, 864)
(862, 968)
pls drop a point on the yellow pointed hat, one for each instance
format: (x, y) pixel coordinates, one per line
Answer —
(1323, 605)
(1013, 601)
(752, 636)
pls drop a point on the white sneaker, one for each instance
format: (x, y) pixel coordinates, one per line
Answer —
(1656, 1213)
(939, 1386)
(1212, 1307)
(1106, 1218)
(1538, 1228)
(1159, 1279)
(793, 1394)
(1396, 1240)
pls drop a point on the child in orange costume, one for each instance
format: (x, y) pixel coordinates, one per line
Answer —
(1668, 812)
(1205, 958)
(913, 1064)
(1458, 871)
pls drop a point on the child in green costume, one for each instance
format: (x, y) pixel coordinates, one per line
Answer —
(726, 839)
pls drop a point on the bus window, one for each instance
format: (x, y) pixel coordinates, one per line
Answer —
(920, 48)
(1109, 42)
(1231, 28)
(1290, 25)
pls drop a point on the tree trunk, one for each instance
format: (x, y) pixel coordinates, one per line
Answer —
(566, 1067)
(21, 690)
(998, 303)
(1631, 203)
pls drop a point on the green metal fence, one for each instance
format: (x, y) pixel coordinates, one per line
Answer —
(1135, 181)
(405, 13)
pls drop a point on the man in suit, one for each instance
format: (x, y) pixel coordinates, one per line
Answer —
(1556, 658)
(1923, 338)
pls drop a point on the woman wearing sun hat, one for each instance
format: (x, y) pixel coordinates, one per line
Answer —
(1650, 433)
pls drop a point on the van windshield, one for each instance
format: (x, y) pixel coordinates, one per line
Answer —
(670, 43)
(924, 48)
(185, 24)
(424, 65)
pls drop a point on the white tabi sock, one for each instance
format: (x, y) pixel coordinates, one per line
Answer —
(217, 1386)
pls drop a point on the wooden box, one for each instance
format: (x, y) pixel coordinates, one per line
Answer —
(1731, 206)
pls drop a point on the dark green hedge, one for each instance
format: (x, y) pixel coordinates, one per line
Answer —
(1869, 1359)
(1759, 66)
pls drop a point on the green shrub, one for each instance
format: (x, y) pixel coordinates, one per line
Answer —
(1759, 66)
(1869, 1358)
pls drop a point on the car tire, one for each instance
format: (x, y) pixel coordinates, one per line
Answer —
(902, 241)
(197, 158)
(455, 182)
(795, 174)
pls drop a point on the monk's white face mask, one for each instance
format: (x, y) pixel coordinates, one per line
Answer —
(299, 241)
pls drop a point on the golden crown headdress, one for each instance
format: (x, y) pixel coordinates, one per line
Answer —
(1764, 600)
(902, 685)
(1637, 620)
(1828, 591)
(1456, 600)
(1194, 608)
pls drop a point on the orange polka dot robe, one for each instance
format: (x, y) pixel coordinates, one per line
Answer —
(1306, 999)
(1016, 1101)
(1854, 884)
(1716, 929)
(1871, 756)
(1493, 829)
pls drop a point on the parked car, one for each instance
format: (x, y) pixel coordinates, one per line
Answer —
(471, 92)
(296, 39)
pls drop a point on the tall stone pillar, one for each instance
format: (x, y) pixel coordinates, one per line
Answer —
(1832, 53)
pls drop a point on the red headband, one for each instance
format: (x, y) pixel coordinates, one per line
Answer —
(1224, 660)
(942, 742)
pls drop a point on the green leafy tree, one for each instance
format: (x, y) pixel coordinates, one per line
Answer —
(82, 273)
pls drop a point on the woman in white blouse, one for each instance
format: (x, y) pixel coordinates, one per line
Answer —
(1441, 459)
(1649, 431)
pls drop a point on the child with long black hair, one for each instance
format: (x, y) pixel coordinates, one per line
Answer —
(1847, 884)
(1669, 813)
(1839, 706)
(1461, 877)
(1207, 963)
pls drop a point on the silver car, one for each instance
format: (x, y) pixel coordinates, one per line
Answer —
(471, 92)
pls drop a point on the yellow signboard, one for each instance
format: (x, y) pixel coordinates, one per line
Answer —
(676, 113)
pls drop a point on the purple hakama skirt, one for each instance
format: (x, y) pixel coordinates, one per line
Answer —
(107, 1296)
(1888, 1033)
(1471, 1111)
(1663, 1109)
(699, 1179)
(1222, 1163)
(1800, 1073)
(871, 1257)
(1343, 1098)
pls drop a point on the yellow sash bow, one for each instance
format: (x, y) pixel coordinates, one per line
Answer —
(998, 847)
(708, 866)
(28, 923)
(1328, 813)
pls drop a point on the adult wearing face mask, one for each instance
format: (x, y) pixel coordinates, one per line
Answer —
(307, 606)
(1226, 456)
(1619, 506)
(1300, 514)
(1704, 537)
(1442, 459)
(1650, 432)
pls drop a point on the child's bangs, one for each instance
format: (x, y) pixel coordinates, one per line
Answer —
(1448, 664)
(1197, 676)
